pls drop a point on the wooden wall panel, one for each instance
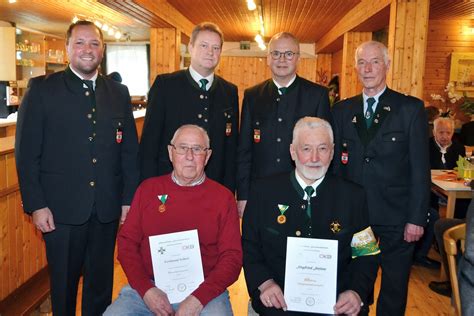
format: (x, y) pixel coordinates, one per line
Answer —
(164, 51)
(349, 81)
(444, 38)
(336, 63)
(323, 69)
(407, 45)
(246, 72)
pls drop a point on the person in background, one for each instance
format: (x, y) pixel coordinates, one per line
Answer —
(76, 153)
(269, 113)
(115, 75)
(193, 96)
(444, 152)
(467, 133)
(183, 200)
(381, 143)
(307, 202)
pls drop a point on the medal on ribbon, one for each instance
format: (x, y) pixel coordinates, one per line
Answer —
(345, 157)
(228, 129)
(163, 199)
(281, 219)
(118, 135)
(256, 135)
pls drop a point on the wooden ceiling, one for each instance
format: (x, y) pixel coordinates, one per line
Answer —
(309, 20)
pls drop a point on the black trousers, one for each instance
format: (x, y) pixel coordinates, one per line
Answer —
(86, 249)
(395, 260)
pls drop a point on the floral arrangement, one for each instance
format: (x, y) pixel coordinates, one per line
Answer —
(451, 99)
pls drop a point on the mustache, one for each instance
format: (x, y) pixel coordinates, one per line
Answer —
(313, 164)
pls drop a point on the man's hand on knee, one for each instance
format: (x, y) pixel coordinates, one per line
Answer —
(157, 301)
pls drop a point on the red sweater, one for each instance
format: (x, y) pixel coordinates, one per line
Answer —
(209, 207)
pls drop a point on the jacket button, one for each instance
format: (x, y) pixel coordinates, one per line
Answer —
(92, 183)
(367, 160)
(89, 116)
(278, 99)
(201, 97)
(87, 93)
(94, 160)
(280, 119)
(278, 139)
(278, 159)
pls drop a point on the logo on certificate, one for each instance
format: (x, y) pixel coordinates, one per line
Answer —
(310, 301)
(181, 287)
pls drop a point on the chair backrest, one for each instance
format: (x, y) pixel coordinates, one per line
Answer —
(451, 238)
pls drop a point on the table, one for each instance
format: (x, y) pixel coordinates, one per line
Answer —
(451, 188)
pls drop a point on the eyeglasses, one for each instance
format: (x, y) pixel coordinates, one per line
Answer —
(289, 55)
(183, 150)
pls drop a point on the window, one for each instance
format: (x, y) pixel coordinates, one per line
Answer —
(131, 62)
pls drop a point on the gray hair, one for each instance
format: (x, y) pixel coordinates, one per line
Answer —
(284, 35)
(381, 46)
(443, 120)
(312, 123)
(196, 127)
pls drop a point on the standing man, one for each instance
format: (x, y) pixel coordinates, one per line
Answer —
(269, 113)
(76, 154)
(193, 96)
(308, 203)
(382, 143)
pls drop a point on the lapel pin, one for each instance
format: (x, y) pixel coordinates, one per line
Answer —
(335, 227)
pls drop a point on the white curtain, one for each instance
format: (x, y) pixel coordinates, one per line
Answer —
(131, 62)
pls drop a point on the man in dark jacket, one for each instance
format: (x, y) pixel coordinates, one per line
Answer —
(269, 113)
(193, 96)
(308, 203)
(381, 143)
(76, 153)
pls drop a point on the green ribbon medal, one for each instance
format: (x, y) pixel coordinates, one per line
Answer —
(281, 219)
(163, 199)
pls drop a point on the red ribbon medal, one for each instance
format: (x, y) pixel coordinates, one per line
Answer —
(228, 129)
(118, 136)
(256, 135)
(344, 158)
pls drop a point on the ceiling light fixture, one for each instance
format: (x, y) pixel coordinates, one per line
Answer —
(107, 27)
(251, 5)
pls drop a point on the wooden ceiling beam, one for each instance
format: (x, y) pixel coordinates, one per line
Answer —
(358, 15)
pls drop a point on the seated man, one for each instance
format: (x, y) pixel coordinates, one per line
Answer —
(444, 152)
(188, 201)
(320, 205)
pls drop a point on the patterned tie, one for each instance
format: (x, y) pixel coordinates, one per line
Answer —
(309, 191)
(369, 114)
(282, 90)
(203, 84)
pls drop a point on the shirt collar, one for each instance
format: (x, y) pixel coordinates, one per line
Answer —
(196, 77)
(192, 184)
(376, 97)
(441, 148)
(303, 184)
(289, 83)
(93, 79)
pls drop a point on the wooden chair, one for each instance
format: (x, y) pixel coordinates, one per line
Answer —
(451, 238)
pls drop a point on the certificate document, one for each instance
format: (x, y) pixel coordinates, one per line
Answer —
(311, 275)
(177, 265)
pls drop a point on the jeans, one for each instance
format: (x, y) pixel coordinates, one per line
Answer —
(130, 303)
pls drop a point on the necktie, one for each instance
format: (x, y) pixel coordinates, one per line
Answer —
(282, 90)
(89, 84)
(203, 84)
(369, 114)
(309, 191)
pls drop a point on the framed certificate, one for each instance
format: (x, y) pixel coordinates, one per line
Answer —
(177, 265)
(311, 275)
